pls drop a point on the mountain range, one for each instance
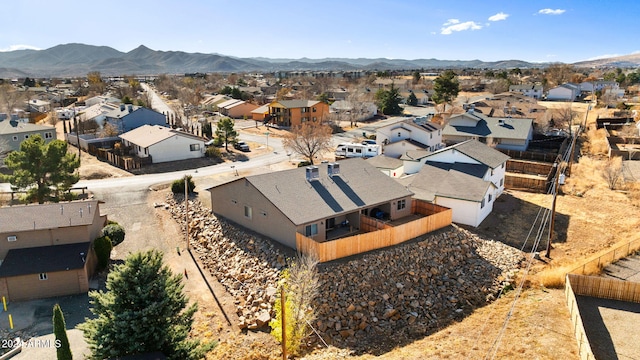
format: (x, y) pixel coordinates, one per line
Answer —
(79, 59)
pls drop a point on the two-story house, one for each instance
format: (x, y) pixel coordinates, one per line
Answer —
(295, 112)
(13, 132)
(46, 249)
(530, 90)
(128, 117)
(410, 134)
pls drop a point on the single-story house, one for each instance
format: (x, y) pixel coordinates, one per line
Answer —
(470, 157)
(503, 133)
(163, 144)
(389, 166)
(258, 114)
(564, 92)
(321, 202)
(530, 90)
(410, 134)
(40, 106)
(128, 117)
(470, 198)
(236, 108)
(101, 99)
(46, 249)
(13, 132)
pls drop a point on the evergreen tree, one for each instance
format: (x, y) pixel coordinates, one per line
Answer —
(63, 349)
(225, 132)
(412, 99)
(446, 87)
(388, 101)
(43, 170)
(143, 310)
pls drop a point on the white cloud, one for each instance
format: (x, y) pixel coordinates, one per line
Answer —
(455, 25)
(19, 47)
(498, 17)
(548, 11)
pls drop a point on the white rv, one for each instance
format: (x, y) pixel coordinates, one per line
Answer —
(350, 150)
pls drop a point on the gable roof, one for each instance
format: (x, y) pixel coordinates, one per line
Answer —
(477, 170)
(451, 184)
(501, 128)
(44, 259)
(8, 127)
(385, 162)
(230, 103)
(147, 135)
(302, 201)
(47, 216)
(264, 109)
(481, 153)
(290, 104)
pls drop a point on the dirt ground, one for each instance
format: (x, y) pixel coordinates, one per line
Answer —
(590, 217)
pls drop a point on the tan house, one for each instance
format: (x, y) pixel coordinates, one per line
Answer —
(295, 112)
(260, 113)
(236, 109)
(45, 250)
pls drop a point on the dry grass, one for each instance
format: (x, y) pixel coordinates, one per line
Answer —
(596, 143)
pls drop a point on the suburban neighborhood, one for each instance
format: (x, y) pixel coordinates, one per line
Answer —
(319, 208)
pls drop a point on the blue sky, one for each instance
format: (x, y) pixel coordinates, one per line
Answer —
(537, 31)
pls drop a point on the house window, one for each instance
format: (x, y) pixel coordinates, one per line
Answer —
(247, 212)
(313, 109)
(503, 165)
(263, 213)
(194, 147)
(431, 136)
(48, 135)
(482, 204)
(304, 119)
(399, 134)
(311, 230)
(15, 138)
(501, 182)
(402, 204)
(43, 276)
(146, 151)
(315, 119)
(489, 198)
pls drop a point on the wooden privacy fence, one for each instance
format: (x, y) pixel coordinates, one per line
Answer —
(387, 236)
(584, 348)
(529, 183)
(602, 259)
(604, 288)
(528, 167)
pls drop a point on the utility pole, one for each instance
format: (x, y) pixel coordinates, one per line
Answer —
(186, 204)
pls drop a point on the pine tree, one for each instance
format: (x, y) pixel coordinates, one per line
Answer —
(225, 132)
(44, 170)
(143, 310)
(63, 349)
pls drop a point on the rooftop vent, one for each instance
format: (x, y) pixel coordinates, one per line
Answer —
(313, 173)
(130, 108)
(333, 169)
(121, 107)
(501, 122)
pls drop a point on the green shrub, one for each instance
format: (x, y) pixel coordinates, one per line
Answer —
(115, 232)
(177, 187)
(304, 163)
(102, 247)
(213, 152)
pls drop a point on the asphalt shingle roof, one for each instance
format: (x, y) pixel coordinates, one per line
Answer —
(47, 216)
(147, 135)
(359, 184)
(291, 104)
(451, 184)
(500, 128)
(18, 127)
(44, 259)
(385, 162)
(482, 153)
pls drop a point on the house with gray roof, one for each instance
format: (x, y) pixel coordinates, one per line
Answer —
(410, 134)
(322, 202)
(388, 165)
(531, 90)
(470, 157)
(14, 131)
(503, 133)
(469, 197)
(128, 117)
(46, 249)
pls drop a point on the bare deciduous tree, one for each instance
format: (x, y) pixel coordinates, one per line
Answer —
(612, 172)
(309, 140)
(10, 97)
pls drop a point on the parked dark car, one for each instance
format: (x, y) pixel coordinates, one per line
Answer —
(242, 146)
